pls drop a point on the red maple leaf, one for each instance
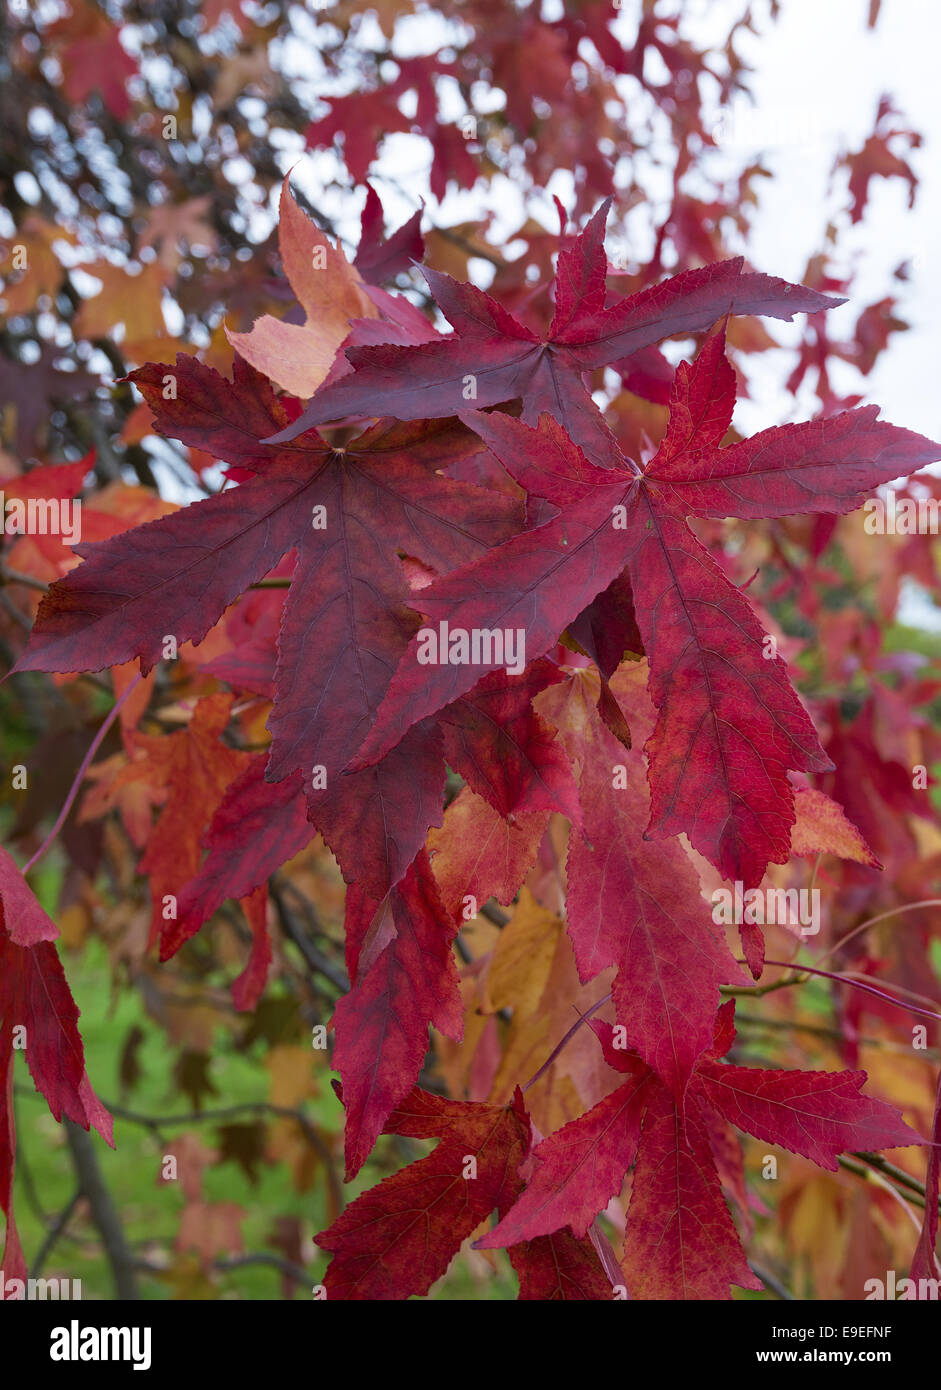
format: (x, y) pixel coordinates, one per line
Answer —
(378, 257)
(96, 61)
(636, 904)
(346, 512)
(400, 959)
(257, 827)
(506, 751)
(680, 1239)
(396, 1239)
(492, 357)
(39, 1017)
(730, 725)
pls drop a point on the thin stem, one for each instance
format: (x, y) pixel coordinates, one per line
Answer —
(856, 984)
(570, 1034)
(8, 576)
(80, 775)
(851, 975)
(772, 1281)
(54, 1233)
(882, 917)
(758, 991)
(157, 1122)
(898, 1175)
(903, 1203)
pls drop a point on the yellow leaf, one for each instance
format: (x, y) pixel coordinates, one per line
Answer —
(291, 1068)
(823, 827)
(522, 961)
(329, 290)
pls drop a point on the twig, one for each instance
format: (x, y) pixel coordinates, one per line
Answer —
(10, 608)
(55, 1231)
(898, 1174)
(103, 1211)
(156, 1123)
(8, 576)
(24, 1172)
(758, 991)
(774, 1284)
(265, 1257)
(495, 914)
(315, 958)
(855, 984)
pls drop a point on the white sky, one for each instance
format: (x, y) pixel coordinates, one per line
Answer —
(819, 73)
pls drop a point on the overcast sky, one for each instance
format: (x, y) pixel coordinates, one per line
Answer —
(820, 72)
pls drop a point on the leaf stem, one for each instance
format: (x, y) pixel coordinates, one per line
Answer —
(882, 917)
(570, 1034)
(80, 775)
(856, 984)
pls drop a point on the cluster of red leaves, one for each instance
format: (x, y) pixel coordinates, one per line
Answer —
(450, 509)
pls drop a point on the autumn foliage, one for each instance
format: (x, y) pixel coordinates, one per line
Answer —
(481, 659)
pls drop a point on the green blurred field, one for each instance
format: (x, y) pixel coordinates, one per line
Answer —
(149, 1207)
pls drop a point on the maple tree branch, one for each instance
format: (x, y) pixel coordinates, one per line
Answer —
(155, 1123)
(24, 1172)
(773, 1282)
(852, 976)
(228, 1262)
(494, 914)
(869, 1175)
(10, 608)
(757, 991)
(905, 1202)
(899, 1175)
(264, 1257)
(803, 971)
(859, 984)
(103, 1211)
(56, 1230)
(314, 958)
(481, 253)
(8, 576)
